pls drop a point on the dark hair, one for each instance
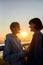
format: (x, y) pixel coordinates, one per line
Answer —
(14, 25)
(37, 22)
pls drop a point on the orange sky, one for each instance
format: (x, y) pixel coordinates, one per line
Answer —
(22, 38)
(26, 38)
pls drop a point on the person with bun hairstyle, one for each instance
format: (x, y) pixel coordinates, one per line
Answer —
(35, 53)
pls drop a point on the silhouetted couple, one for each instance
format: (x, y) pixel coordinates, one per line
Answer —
(13, 51)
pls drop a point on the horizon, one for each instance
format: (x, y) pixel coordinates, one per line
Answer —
(23, 38)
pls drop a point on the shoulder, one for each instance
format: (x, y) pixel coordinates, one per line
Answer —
(8, 36)
(38, 34)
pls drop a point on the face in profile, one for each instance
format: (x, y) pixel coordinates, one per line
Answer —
(15, 27)
(32, 27)
(35, 24)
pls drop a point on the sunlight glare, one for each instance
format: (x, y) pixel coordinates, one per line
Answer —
(24, 34)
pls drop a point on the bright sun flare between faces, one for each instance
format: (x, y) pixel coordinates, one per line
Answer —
(23, 34)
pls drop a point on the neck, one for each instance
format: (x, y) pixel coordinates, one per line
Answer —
(14, 34)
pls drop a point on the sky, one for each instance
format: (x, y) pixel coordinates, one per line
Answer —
(19, 10)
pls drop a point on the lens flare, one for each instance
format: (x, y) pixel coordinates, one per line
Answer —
(23, 34)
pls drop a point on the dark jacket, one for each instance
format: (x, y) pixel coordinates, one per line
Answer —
(35, 54)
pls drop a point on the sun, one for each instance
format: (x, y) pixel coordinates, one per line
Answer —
(23, 34)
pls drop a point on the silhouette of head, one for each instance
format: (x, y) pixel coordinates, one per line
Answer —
(15, 27)
(36, 23)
